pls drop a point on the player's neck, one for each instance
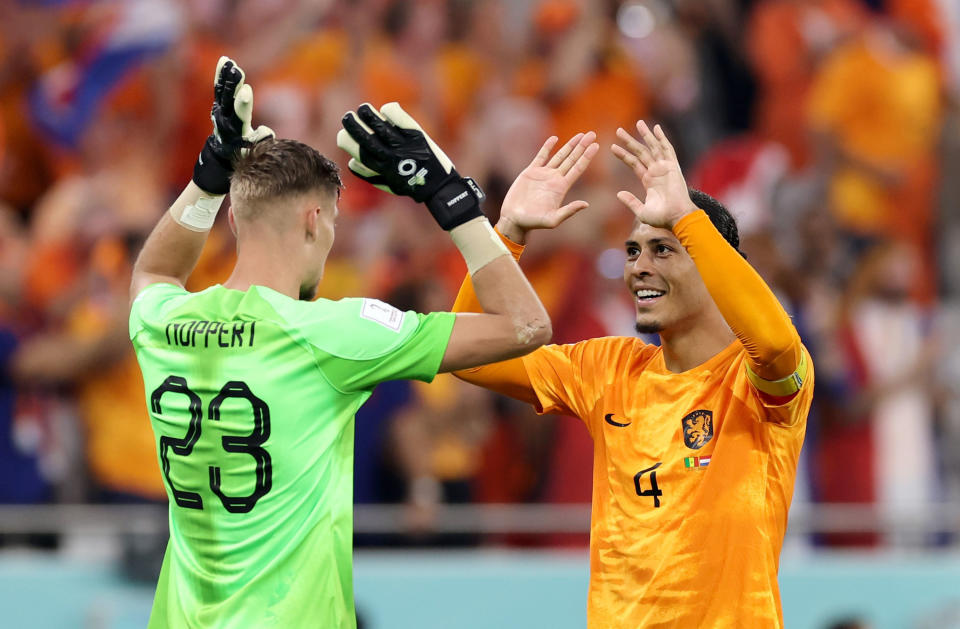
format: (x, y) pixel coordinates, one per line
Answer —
(688, 347)
(264, 267)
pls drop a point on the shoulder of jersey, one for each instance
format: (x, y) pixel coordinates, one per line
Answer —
(356, 328)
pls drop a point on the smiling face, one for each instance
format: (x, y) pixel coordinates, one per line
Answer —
(663, 279)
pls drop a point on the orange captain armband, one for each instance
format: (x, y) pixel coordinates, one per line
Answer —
(784, 387)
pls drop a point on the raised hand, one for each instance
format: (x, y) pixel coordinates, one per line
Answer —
(534, 200)
(655, 163)
(233, 132)
(390, 150)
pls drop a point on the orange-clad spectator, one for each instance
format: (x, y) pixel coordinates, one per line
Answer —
(576, 62)
(617, 84)
(110, 398)
(399, 63)
(552, 22)
(784, 41)
(26, 169)
(384, 77)
(461, 74)
(313, 62)
(91, 351)
(925, 19)
(875, 109)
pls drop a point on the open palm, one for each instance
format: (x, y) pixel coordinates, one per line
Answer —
(655, 163)
(535, 197)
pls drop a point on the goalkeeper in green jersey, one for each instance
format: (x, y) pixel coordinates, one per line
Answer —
(252, 389)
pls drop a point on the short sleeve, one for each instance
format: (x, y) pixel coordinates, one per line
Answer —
(375, 342)
(152, 302)
(569, 379)
(554, 372)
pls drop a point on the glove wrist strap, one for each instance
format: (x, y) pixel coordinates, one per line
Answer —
(456, 202)
(211, 172)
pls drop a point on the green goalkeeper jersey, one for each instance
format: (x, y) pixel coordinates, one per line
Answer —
(252, 397)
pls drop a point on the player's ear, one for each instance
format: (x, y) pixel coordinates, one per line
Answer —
(312, 223)
(232, 221)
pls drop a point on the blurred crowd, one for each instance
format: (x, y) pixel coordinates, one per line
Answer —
(830, 128)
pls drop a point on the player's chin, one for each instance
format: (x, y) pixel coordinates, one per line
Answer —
(648, 325)
(308, 292)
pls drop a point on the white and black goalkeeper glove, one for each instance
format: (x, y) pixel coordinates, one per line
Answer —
(233, 132)
(391, 151)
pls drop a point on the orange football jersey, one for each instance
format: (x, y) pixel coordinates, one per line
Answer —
(693, 474)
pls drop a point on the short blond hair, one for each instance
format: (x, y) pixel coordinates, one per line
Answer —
(280, 168)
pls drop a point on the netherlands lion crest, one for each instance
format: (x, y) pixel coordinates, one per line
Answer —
(697, 429)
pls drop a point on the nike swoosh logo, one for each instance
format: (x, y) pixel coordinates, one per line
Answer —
(609, 419)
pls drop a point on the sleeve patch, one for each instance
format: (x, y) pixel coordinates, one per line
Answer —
(784, 387)
(382, 313)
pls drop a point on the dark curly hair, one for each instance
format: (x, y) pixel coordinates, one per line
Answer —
(719, 216)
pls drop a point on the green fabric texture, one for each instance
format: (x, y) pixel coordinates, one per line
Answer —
(252, 397)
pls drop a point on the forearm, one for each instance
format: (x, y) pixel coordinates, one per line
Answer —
(61, 358)
(467, 297)
(743, 298)
(501, 288)
(173, 247)
(511, 322)
(507, 377)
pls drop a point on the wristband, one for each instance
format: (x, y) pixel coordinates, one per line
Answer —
(199, 216)
(478, 243)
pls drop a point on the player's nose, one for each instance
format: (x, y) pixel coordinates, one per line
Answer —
(639, 266)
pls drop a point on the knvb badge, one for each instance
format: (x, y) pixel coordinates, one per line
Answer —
(697, 428)
(696, 462)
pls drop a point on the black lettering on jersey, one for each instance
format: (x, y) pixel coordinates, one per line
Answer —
(213, 329)
(198, 333)
(200, 329)
(654, 492)
(183, 336)
(237, 337)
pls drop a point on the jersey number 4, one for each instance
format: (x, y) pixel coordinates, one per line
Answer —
(250, 444)
(654, 492)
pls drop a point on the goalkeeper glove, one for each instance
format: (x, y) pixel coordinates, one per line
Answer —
(391, 151)
(233, 133)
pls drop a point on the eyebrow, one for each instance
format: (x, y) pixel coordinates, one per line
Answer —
(651, 241)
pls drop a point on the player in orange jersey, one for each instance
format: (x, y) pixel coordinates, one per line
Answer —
(696, 441)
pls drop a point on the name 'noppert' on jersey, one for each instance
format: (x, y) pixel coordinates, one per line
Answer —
(252, 397)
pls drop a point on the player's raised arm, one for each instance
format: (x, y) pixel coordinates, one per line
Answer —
(390, 150)
(534, 201)
(173, 247)
(777, 363)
